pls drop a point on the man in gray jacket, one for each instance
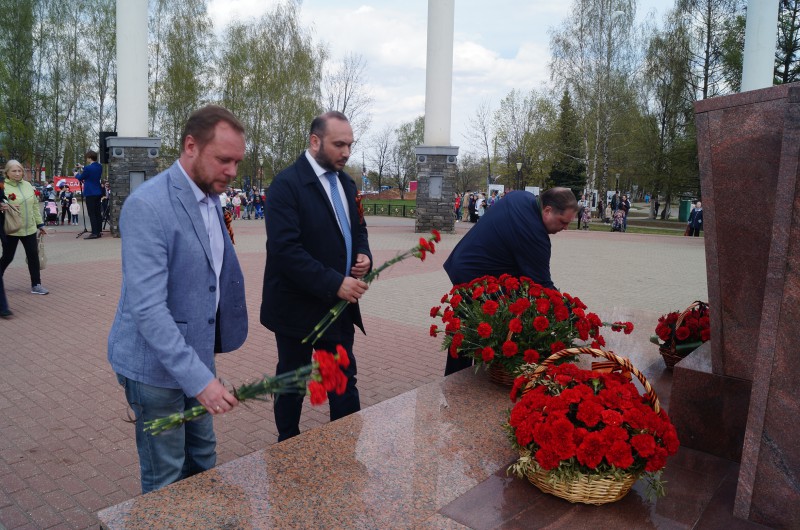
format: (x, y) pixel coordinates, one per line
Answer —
(182, 298)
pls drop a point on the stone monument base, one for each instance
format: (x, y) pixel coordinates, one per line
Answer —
(709, 410)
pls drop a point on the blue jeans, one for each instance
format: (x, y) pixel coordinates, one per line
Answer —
(172, 455)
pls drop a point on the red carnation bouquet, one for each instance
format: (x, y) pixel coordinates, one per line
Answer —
(569, 423)
(323, 375)
(680, 332)
(512, 321)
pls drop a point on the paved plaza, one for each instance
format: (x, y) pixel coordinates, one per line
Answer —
(66, 450)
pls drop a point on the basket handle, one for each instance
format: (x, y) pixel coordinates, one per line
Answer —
(623, 362)
(683, 314)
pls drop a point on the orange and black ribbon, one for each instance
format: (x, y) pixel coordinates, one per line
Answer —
(228, 219)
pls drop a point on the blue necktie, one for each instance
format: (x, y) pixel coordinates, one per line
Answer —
(338, 207)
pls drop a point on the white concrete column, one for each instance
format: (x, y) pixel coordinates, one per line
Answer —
(761, 33)
(439, 72)
(132, 68)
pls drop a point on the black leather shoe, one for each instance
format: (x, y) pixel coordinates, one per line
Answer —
(92, 236)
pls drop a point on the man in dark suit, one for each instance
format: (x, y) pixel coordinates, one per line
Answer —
(182, 298)
(90, 176)
(512, 238)
(317, 253)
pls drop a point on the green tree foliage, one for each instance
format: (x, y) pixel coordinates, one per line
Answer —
(187, 58)
(569, 169)
(787, 57)
(16, 79)
(404, 159)
(670, 133)
(269, 71)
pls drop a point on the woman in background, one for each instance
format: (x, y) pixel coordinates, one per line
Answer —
(20, 194)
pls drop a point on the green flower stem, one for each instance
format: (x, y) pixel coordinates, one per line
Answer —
(287, 383)
(334, 313)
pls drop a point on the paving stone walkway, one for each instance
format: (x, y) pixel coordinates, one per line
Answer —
(66, 450)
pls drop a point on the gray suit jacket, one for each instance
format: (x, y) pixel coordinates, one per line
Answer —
(164, 329)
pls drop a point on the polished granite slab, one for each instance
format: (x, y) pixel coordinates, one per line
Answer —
(394, 464)
(433, 457)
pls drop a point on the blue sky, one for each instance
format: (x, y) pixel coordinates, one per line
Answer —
(498, 46)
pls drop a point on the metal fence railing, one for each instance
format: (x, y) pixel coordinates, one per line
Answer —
(392, 210)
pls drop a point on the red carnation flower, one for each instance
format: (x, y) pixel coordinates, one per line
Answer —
(478, 292)
(515, 325)
(644, 444)
(520, 306)
(705, 335)
(434, 330)
(455, 300)
(611, 417)
(542, 305)
(561, 313)
(435, 311)
(510, 348)
(317, 393)
(592, 449)
(541, 323)
(682, 333)
(458, 339)
(341, 356)
(557, 346)
(511, 283)
(619, 455)
(490, 307)
(531, 356)
(444, 299)
(487, 354)
(436, 235)
(484, 330)
(453, 326)
(578, 312)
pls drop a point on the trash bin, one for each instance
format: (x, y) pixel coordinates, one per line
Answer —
(684, 210)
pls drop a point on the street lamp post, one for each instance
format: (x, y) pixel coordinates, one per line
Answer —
(616, 189)
(260, 172)
(519, 174)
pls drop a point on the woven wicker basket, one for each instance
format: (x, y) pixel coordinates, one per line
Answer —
(585, 489)
(667, 350)
(500, 376)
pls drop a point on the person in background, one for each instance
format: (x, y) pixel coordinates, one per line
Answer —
(20, 195)
(696, 219)
(457, 207)
(65, 197)
(90, 175)
(5, 312)
(625, 205)
(74, 210)
(656, 206)
(582, 205)
(182, 298)
(317, 254)
(512, 238)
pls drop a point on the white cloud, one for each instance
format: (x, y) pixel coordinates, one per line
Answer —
(498, 46)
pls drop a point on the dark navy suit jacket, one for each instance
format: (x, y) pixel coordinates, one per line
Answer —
(306, 255)
(510, 239)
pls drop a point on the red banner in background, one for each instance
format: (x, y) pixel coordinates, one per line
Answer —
(70, 182)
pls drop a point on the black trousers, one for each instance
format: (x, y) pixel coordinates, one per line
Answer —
(31, 247)
(292, 354)
(93, 209)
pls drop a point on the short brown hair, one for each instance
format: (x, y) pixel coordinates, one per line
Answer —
(560, 199)
(320, 123)
(91, 155)
(203, 121)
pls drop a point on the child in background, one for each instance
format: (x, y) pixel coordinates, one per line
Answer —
(74, 210)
